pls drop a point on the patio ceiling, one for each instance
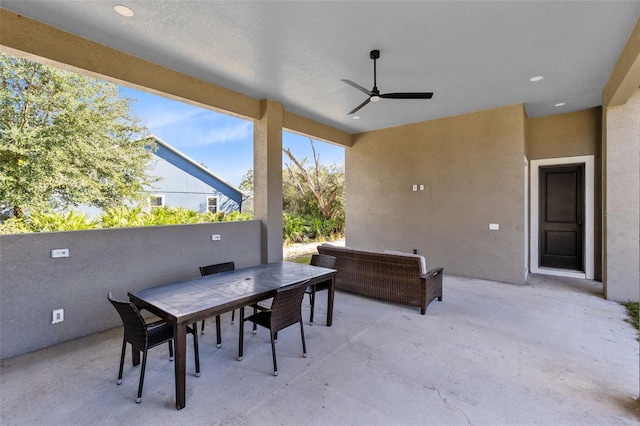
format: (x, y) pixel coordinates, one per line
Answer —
(472, 55)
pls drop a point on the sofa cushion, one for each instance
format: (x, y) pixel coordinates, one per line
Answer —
(423, 261)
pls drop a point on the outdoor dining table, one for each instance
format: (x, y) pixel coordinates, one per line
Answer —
(186, 302)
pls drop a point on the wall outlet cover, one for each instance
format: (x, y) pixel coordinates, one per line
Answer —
(58, 316)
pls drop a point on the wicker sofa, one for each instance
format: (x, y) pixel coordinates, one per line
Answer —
(385, 276)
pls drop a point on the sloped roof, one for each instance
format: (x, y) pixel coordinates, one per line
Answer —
(194, 163)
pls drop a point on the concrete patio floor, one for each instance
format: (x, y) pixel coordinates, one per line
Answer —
(553, 352)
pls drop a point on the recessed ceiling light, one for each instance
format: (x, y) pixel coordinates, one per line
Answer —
(355, 117)
(536, 78)
(123, 10)
(559, 104)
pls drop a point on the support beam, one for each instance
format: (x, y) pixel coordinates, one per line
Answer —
(306, 127)
(24, 37)
(267, 174)
(625, 77)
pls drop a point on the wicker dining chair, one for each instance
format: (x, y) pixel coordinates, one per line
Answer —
(325, 261)
(215, 269)
(143, 336)
(286, 310)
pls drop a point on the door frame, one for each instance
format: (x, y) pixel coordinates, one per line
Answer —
(588, 162)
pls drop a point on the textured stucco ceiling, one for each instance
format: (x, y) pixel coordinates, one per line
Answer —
(472, 55)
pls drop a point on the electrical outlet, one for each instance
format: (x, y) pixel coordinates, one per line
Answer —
(494, 226)
(57, 253)
(415, 187)
(215, 237)
(58, 316)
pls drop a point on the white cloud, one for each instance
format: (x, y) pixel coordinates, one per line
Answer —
(204, 130)
(229, 132)
(158, 118)
(204, 126)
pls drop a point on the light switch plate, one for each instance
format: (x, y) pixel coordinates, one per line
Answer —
(494, 226)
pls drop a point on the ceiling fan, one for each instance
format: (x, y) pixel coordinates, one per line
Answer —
(375, 95)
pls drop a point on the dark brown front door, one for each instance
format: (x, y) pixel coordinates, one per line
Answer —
(561, 217)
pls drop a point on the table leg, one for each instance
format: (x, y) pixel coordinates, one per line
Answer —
(180, 360)
(332, 290)
(241, 334)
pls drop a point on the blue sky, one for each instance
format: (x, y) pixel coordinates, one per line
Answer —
(221, 142)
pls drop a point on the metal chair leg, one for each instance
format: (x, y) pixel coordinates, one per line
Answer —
(170, 350)
(124, 350)
(144, 364)
(273, 353)
(304, 345)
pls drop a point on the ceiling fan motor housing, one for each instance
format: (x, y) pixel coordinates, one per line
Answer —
(374, 94)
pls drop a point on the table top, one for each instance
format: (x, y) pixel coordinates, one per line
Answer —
(191, 299)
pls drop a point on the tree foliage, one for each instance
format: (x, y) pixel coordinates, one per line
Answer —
(66, 139)
(312, 198)
(313, 189)
(246, 183)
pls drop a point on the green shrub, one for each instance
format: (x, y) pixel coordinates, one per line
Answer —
(632, 310)
(14, 226)
(296, 228)
(116, 217)
(54, 221)
(122, 217)
(174, 216)
(235, 216)
(306, 228)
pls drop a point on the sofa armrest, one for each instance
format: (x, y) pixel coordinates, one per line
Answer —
(431, 274)
(433, 281)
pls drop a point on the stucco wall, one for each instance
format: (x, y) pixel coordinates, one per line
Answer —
(472, 169)
(565, 135)
(622, 210)
(570, 135)
(118, 260)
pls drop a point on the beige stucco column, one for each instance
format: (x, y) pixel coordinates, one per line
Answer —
(621, 175)
(621, 273)
(267, 175)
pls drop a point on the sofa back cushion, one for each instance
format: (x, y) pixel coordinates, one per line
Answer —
(423, 261)
(358, 259)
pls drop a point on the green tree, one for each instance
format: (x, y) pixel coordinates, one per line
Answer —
(246, 183)
(317, 187)
(66, 139)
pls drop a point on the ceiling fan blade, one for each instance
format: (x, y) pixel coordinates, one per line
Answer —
(410, 95)
(359, 106)
(357, 86)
